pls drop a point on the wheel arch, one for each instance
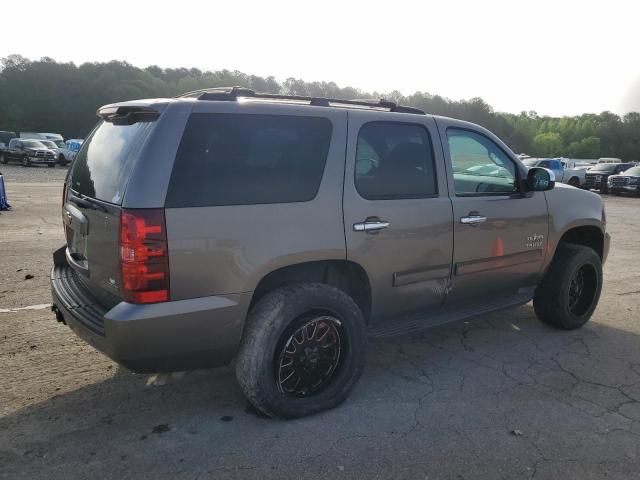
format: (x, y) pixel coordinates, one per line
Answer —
(345, 275)
(587, 235)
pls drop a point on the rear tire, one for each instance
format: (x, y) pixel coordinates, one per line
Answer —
(278, 342)
(3, 158)
(569, 293)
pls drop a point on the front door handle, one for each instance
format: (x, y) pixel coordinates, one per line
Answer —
(473, 220)
(370, 226)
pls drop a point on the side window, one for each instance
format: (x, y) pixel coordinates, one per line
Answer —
(545, 164)
(479, 165)
(233, 159)
(394, 161)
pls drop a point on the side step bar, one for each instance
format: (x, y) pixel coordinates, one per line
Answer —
(406, 325)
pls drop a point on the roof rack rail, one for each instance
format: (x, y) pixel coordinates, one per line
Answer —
(233, 93)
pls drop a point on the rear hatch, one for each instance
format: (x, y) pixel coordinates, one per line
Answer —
(94, 190)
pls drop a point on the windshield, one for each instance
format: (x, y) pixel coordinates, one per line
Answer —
(48, 143)
(604, 167)
(33, 144)
(634, 171)
(530, 162)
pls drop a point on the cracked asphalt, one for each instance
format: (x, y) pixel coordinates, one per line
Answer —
(500, 397)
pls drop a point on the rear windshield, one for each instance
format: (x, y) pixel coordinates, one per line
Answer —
(232, 159)
(104, 162)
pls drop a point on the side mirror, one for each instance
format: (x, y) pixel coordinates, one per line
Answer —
(540, 180)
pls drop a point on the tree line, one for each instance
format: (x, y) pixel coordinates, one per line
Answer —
(50, 96)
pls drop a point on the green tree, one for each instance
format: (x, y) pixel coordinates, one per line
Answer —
(547, 144)
(44, 95)
(586, 148)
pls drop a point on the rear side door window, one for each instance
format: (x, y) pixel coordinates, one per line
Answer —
(394, 161)
(233, 159)
(480, 167)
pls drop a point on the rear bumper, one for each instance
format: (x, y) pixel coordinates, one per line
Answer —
(162, 337)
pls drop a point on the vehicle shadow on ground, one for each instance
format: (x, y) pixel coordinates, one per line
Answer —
(482, 372)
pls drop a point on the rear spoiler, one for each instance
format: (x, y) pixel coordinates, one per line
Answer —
(127, 114)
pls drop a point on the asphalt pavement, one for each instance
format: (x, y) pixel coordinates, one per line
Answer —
(500, 397)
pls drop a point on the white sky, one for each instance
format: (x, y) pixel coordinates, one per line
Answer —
(559, 57)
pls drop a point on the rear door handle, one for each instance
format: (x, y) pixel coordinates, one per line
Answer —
(473, 220)
(370, 226)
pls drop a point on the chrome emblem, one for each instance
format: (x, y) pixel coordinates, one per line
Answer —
(535, 240)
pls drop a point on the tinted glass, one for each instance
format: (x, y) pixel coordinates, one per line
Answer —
(479, 165)
(393, 161)
(102, 166)
(231, 159)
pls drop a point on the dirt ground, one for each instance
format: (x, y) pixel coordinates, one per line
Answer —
(500, 397)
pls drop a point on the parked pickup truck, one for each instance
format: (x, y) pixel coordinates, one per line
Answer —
(625, 182)
(282, 231)
(68, 150)
(566, 171)
(597, 177)
(28, 152)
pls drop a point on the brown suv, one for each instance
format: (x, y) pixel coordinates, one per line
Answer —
(283, 231)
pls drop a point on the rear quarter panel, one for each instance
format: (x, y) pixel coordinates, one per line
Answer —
(229, 249)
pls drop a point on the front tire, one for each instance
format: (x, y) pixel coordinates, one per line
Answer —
(62, 161)
(303, 350)
(3, 158)
(569, 292)
(26, 162)
(574, 182)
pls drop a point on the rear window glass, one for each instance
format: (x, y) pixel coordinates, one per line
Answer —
(394, 161)
(233, 159)
(103, 164)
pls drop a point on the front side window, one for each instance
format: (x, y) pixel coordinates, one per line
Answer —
(394, 161)
(232, 159)
(480, 167)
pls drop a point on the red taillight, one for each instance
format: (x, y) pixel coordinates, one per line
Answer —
(144, 259)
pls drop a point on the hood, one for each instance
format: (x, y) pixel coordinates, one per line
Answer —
(36, 150)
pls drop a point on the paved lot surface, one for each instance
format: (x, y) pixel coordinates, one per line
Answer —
(501, 397)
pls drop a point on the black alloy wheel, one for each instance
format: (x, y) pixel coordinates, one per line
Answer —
(310, 355)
